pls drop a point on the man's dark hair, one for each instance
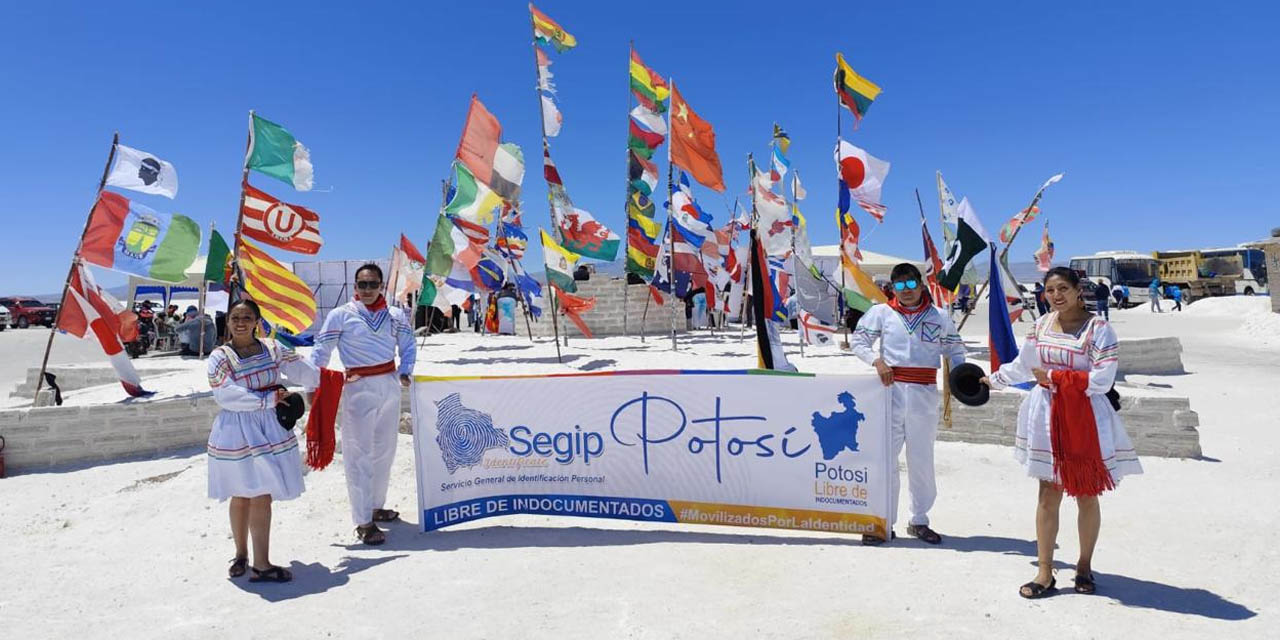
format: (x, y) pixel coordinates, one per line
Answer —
(369, 266)
(905, 270)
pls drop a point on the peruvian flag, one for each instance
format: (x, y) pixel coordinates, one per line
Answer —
(280, 224)
(85, 307)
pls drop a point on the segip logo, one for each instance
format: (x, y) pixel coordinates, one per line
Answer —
(464, 434)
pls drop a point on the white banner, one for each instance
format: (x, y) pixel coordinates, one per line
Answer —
(794, 451)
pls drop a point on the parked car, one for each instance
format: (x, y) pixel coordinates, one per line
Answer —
(4, 317)
(24, 312)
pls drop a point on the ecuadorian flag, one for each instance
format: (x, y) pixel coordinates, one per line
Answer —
(856, 92)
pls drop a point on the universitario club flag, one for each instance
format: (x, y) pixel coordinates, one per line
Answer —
(286, 301)
(126, 236)
(273, 151)
(142, 172)
(280, 224)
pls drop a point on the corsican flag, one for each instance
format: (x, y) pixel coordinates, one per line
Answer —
(128, 237)
(559, 263)
(971, 239)
(274, 152)
(140, 171)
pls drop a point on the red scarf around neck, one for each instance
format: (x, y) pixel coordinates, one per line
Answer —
(897, 305)
(378, 305)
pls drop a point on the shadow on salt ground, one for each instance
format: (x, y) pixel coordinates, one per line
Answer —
(510, 347)
(405, 537)
(501, 360)
(598, 364)
(1132, 592)
(310, 578)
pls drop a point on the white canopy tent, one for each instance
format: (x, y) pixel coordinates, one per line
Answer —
(189, 289)
(826, 258)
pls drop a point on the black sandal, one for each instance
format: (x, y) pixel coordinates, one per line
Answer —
(238, 566)
(385, 515)
(1085, 584)
(923, 532)
(271, 574)
(1034, 590)
(875, 541)
(370, 535)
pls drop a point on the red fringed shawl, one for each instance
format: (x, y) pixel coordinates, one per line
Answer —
(321, 440)
(1077, 457)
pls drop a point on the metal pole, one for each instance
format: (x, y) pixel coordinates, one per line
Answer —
(671, 248)
(626, 204)
(75, 259)
(840, 230)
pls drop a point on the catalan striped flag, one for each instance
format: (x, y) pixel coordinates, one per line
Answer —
(856, 92)
(285, 300)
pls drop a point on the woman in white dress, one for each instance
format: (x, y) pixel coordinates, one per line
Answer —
(1069, 436)
(253, 459)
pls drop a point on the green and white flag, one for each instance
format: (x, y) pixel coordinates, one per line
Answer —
(559, 262)
(275, 152)
(971, 240)
(471, 199)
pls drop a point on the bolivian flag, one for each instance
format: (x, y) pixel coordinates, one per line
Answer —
(547, 31)
(856, 92)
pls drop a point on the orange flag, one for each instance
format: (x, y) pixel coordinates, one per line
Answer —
(693, 144)
(479, 141)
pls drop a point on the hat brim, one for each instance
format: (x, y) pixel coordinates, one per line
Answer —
(966, 385)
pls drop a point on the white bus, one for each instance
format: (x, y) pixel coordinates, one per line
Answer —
(1251, 272)
(1126, 268)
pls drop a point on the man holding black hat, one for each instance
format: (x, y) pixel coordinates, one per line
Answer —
(912, 336)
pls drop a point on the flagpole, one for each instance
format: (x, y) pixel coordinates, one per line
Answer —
(671, 240)
(946, 363)
(795, 228)
(204, 288)
(75, 259)
(1003, 253)
(839, 229)
(626, 215)
(519, 293)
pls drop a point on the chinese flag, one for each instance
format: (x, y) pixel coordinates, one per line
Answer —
(693, 144)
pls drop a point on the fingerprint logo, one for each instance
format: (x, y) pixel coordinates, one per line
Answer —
(464, 434)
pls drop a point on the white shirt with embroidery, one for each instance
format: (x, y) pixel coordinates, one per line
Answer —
(912, 340)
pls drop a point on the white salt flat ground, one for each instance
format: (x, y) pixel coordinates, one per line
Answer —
(134, 549)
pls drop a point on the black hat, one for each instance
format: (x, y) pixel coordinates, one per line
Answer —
(290, 410)
(967, 387)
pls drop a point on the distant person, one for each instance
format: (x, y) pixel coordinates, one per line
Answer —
(1175, 292)
(1125, 288)
(1069, 434)
(253, 459)
(1042, 307)
(189, 334)
(1154, 291)
(1102, 296)
(1117, 292)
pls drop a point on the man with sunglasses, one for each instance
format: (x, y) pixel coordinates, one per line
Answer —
(367, 334)
(913, 336)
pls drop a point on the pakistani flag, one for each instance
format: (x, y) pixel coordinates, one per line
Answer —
(559, 263)
(275, 152)
(971, 239)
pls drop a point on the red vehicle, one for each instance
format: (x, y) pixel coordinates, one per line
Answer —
(24, 312)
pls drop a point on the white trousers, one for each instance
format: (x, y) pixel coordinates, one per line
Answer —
(913, 422)
(370, 420)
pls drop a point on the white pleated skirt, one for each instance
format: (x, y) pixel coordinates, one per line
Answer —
(251, 455)
(1033, 445)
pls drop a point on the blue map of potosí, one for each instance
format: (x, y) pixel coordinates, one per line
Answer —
(464, 434)
(840, 429)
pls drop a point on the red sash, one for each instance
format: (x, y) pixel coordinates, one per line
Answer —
(915, 375)
(355, 373)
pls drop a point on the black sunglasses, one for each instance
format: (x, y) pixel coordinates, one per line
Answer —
(368, 284)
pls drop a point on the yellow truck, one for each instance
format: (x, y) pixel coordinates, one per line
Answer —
(1189, 271)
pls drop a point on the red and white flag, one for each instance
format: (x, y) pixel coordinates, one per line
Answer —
(87, 307)
(814, 331)
(280, 224)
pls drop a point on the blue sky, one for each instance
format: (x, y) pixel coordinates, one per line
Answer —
(1162, 114)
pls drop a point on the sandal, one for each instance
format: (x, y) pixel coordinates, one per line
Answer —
(1085, 584)
(875, 541)
(371, 535)
(385, 515)
(238, 566)
(271, 574)
(1034, 590)
(923, 532)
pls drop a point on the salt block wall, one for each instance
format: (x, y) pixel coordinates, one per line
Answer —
(606, 319)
